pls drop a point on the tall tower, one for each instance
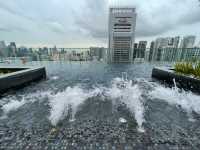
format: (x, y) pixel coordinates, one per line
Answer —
(3, 49)
(188, 42)
(122, 24)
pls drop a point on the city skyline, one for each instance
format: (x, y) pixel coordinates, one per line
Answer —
(147, 45)
(34, 24)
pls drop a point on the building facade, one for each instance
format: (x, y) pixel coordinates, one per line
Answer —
(165, 49)
(151, 50)
(3, 49)
(12, 49)
(141, 49)
(188, 42)
(122, 24)
(97, 53)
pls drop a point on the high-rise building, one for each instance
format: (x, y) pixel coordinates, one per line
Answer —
(12, 49)
(159, 44)
(176, 41)
(198, 45)
(3, 49)
(141, 49)
(22, 51)
(135, 50)
(122, 24)
(188, 42)
(170, 52)
(97, 53)
(165, 49)
(45, 51)
(146, 56)
(151, 50)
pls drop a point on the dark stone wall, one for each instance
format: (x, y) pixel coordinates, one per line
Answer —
(182, 81)
(21, 78)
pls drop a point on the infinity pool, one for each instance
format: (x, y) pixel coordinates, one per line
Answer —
(94, 105)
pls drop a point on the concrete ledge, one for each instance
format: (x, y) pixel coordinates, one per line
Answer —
(20, 77)
(186, 82)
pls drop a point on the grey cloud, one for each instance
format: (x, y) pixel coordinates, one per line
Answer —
(191, 18)
(95, 32)
(12, 29)
(4, 29)
(60, 20)
(14, 11)
(93, 18)
(152, 19)
(56, 27)
(19, 29)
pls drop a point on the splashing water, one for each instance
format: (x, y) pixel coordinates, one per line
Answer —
(122, 120)
(124, 76)
(13, 105)
(62, 101)
(74, 96)
(175, 84)
(130, 95)
(121, 89)
(55, 78)
(187, 100)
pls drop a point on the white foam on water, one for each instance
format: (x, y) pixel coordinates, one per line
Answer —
(187, 100)
(38, 95)
(122, 120)
(129, 94)
(55, 77)
(13, 105)
(72, 97)
(121, 89)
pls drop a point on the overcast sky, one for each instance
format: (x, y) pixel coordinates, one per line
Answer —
(84, 23)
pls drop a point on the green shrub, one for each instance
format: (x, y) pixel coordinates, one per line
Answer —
(197, 70)
(188, 68)
(184, 67)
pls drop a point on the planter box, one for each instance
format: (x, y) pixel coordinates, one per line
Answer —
(183, 81)
(19, 77)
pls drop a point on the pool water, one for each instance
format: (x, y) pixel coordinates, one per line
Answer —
(91, 105)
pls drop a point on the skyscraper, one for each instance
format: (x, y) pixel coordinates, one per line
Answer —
(3, 49)
(176, 41)
(135, 50)
(151, 50)
(12, 49)
(122, 23)
(198, 45)
(97, 53)
(188, 42)
(165, 48)
(159, 44)
(142, 48)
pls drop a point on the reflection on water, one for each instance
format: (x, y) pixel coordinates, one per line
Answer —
(99, 106)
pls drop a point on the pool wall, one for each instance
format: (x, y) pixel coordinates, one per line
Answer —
(183, 81)
(20, 78)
